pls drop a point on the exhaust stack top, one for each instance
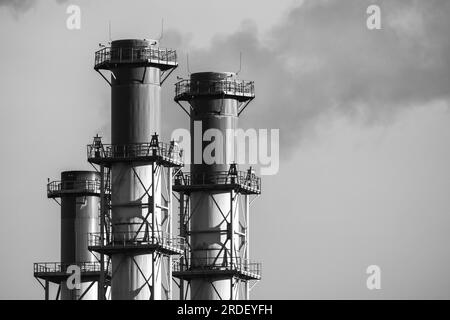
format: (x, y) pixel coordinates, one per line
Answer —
(137, 219)
(215, 197)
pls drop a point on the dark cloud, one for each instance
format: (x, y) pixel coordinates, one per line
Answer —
(18, 7)
(322, 58)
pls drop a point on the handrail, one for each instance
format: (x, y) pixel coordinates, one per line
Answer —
(208, 87)
(135, 55)
(218, 263)
(87, 185)
(58, 267)
(135, 150)
(220, 177)
(137, 237)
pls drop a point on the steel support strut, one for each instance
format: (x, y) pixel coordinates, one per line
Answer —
(101, 283)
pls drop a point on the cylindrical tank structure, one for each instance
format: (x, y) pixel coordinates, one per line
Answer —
(213, 113)
(135, 116)
(214, 195)
(79, 192)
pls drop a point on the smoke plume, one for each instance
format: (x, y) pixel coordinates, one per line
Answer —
(322, 59)
(18, 7)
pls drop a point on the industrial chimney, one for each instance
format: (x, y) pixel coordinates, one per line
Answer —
(215, 198)
(79, 194)
(136, 224)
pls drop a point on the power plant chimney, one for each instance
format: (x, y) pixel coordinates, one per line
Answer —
(136, 223)
(79, 194)
(215, 198)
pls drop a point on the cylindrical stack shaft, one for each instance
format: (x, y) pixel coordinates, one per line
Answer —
(79, 217)
(135, 116)
(214, 196)
(208, 229)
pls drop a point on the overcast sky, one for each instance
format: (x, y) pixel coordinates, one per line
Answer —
(363, 116)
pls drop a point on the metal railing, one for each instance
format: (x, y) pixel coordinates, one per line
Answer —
(218, 263)
(135, 55)
(58, 267)
(242, 178)
(137, 238)
(81, 186)
(212, 87)
(136, 150)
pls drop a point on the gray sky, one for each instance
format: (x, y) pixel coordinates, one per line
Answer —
(363, 117)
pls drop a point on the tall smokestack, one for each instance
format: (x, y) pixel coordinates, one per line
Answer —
(79, 217)
(79, 196)
(137, 234)
(214, 198)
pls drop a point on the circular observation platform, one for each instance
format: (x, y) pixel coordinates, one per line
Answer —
(241, 182)
(214, 84)
(216, 268)
(56, 272)
(165, 154)
(75, 183)
(135, 53)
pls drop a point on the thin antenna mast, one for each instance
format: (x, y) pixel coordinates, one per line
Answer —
(162, 30)
(187, 64)
(240, 63)
(109, 30)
